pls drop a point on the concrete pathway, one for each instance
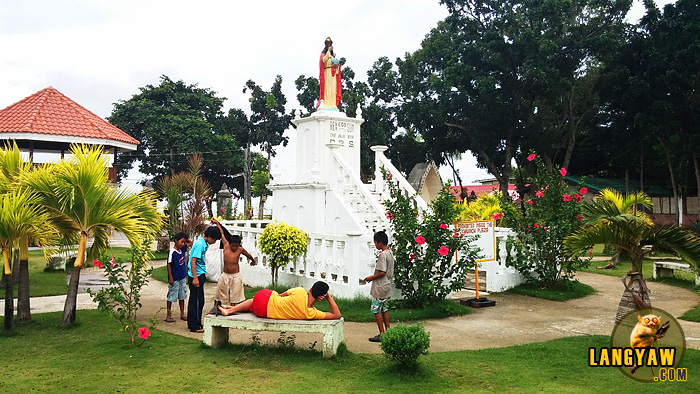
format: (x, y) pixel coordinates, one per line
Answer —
(514, 320)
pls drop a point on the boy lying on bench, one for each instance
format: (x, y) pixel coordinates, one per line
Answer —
(293, 304)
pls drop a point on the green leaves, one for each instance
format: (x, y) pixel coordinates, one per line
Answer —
(424, 246)
(280, 242)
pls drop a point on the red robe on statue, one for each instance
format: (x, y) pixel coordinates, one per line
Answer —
(322, 82)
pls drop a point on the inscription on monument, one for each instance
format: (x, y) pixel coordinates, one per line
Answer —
(342, 133)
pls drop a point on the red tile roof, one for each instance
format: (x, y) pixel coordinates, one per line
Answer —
(478, 190)
(49, 111)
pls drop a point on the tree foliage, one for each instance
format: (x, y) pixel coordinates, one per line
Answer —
(281, 242)
(498, 78)
(172, 121)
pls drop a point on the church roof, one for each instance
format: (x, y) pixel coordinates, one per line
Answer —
(49, 115)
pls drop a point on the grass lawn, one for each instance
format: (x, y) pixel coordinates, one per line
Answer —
(171, 363)
(54, 283)
(357, 309)
(563, 291)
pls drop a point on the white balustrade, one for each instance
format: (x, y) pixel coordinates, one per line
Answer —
(328, 258)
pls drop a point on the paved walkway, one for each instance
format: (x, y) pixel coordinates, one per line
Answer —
(514, 320)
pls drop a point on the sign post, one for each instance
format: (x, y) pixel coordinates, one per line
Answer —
(486, 242)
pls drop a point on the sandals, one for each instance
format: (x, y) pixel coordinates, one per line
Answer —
(169, 319)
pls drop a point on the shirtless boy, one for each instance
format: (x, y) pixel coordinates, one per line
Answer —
(230, 287)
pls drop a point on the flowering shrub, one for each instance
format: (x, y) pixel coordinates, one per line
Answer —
(280, 242)
(122, 298)
(424, 247)
(551, 213)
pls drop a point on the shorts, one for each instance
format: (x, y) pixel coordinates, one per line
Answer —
(380, 305)
(178, 290)
(260, 301)
(229, 289)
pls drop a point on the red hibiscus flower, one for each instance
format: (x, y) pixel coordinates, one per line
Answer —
(566, 197)
(443, 251)
(531, 157)
(144, 333)
(497, 215)
(538, 225)
(97, 263)
(420, 240)
(528, 202)
(584, 190)
(562, 171)
(443, 226)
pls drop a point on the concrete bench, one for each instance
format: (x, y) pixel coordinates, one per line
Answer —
(664, 269)
(216, 329)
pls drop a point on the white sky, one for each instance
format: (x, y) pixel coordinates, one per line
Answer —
(100, 52)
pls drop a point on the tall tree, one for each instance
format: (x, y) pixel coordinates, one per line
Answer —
(21, 216)
(652, 86)
(12, 167)
(174, 120)
(483, 74)
(269, 121)
(82, 204)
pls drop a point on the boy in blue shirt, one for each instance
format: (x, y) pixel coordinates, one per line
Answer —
(177, 276)
(196, 270)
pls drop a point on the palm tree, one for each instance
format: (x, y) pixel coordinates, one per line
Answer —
(635, 235)
(21, 216)
(612, 205)
(12, 165)
(82, 204)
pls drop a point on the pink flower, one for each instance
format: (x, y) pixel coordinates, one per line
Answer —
(562, 171)
(464, 232)
(112, 261)
(531, 157)
(443, 226)
(388, 174)
(97, 263)
(389, 215)
(223, 210)
(577, 197)
(590, 252)
(538, 225)
(566, 197)
(539, 193)
(412, 257)
(546, 187)
(456, 234)
(584, 190)
(443, 251)
(528, 202)
(420, 240)
(234, 197)
(497, 216)
(144, 333)
(545, 228)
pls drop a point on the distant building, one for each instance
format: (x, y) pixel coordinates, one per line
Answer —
(48, 122)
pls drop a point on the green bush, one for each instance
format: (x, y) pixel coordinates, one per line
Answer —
(404, 344)
(551, 213)
(424, 245)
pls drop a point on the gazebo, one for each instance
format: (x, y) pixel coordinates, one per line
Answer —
(48, 122)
